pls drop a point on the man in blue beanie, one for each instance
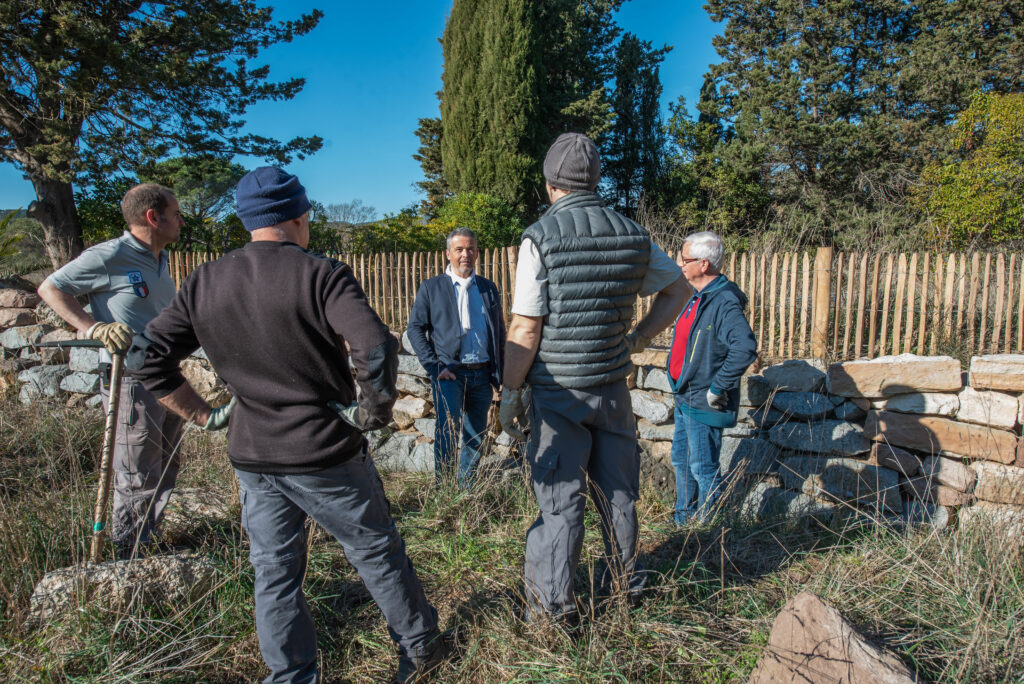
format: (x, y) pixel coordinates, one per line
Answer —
(274, 320)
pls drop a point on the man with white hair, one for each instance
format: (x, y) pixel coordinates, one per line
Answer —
(712, 346)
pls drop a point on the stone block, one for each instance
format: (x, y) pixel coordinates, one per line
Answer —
(411, 365)
(426, 426)
(754, 390)
(927, 403)
(657, 379)
(23, 336)
(935, 435)
(649, 407)
(407, 410)
(796, 375)
(84, 360)
(894, 458)
(889, 375)
(648, 430)
(802, 405)
(739, 431)
(766, 501)
(948, 473)
(407, 343)
(395, 452)
(652, 356)
(44, 380)
(412, 385)
(849, 411)
(81, 383)
(986, 407)
(842, 479)
(764, 417)
(825, 437)
(947, 496)
(999, 483)
(13, 317)
(1003, 519)
(998, 372)
(748, 456)
(18, 299)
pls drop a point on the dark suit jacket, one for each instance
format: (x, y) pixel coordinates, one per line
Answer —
(434, 326)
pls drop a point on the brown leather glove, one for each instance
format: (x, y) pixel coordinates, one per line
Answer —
(116, 337)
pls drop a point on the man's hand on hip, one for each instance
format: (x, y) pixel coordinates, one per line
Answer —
(513, 406)
(446, 375)
(116, 337)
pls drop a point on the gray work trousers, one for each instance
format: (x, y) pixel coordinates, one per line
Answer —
(146, 461)
(581, 439)
(348, 501)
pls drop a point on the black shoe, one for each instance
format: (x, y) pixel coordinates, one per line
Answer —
(413, 669)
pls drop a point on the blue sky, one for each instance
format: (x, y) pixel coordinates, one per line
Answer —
(372, 70)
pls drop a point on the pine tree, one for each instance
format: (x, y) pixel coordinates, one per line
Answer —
(434, 185)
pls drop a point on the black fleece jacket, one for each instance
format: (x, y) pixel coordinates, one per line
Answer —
(273, 320)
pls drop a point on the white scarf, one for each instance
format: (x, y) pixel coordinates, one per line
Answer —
(462, 300)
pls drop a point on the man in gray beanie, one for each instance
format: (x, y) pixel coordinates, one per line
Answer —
(581, 268)
(274, 319)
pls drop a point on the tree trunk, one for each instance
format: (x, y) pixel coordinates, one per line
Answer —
(55, 210)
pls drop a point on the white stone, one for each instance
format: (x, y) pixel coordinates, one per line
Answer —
(395, 452)
(410, 384)
(889, 375)
(999, 483)
(994, 409)
(84, 360)
(81, 383)
(998, 372)
(948, 472)
(657, 379)
(927, 403)
(411, 365)
(23, 336)
(44, 379)
(426, 426)
(648, 430)
(407, 410)
(649, 407)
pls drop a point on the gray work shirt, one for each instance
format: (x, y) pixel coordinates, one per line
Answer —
(122, 280)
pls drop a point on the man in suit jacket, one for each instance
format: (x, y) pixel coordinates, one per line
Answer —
(457, 329)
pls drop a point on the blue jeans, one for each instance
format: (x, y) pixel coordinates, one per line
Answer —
(695, 451)
(461, 407)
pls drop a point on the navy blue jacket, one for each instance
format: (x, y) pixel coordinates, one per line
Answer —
(434, 326)
(719, 350)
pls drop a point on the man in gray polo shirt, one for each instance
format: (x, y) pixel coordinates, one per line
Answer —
(128, 283)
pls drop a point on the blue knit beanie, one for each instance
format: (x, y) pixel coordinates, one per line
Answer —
(267, 196)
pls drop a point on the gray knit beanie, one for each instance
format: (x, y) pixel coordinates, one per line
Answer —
(268, 196)
(573, 163)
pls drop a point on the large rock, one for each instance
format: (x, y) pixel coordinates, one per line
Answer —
(45, 380)
(426, 426)
(748, 456)
(81, 383)
(754, 390)
(795, 375)
(410, 384)
(889, 375)
(985, 517)
(948, 472)
(191, 513)
(650, 408)
(825, 437)
(998, 372)
(206, 383)
(994, 409)
(652, 356)
(935, 435)
(802, 405)
(739, 430)
(20, 299)
(766, 501)
(657, 379)
(811, 641)
(649, 430)
(395, 452)
(844, 480)
(411, 365)
(23, 336)
(763, 417)
(894, 458)
(927, 403)
(947, 496)
(421, 458)
(12, 317)
(164, 580)
(999, 483)
(849, 411)
(84, 360)
(407, 410)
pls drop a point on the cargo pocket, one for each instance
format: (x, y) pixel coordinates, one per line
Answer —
(546, 485)
(133, 428)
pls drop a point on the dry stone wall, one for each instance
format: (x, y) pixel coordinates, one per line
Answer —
(902, 437)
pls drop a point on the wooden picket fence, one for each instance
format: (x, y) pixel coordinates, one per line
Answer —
(811, 303)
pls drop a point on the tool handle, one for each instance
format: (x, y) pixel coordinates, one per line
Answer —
(99, 526)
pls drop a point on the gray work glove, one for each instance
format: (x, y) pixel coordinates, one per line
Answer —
(348, 412)
(116, 337)
(718, 401)
(219, 416)
(513, 406)
(637, 342)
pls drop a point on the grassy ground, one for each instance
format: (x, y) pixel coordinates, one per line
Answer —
(948, 604)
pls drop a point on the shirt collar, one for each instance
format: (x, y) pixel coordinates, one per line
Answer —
(133, 242)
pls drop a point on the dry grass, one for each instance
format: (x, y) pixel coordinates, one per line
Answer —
(948, 603)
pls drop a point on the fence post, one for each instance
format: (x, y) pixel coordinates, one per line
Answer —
(822, 301)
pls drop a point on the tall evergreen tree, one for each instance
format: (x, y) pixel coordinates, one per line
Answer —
(635, 145)
(433, 185)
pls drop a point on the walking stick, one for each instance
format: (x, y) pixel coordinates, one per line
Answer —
(99, 517)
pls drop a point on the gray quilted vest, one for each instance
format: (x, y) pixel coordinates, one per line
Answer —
(596, 261)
